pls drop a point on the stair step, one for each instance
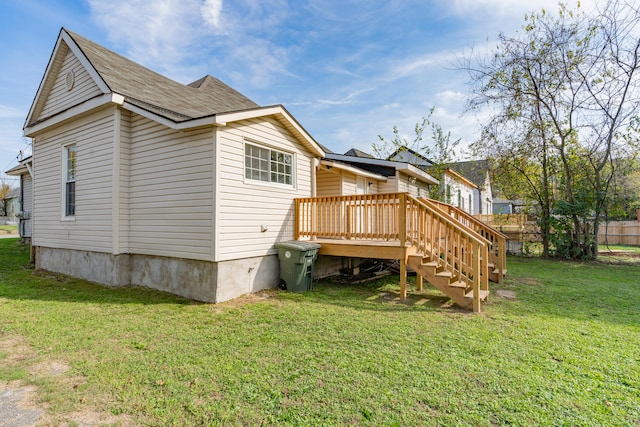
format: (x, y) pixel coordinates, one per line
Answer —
(459, 284)
(445, 274)
(434, 264)
(483, 295)
(496, 271)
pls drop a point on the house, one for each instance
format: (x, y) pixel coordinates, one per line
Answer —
(398, 176)
(477, 171)
(24, 199)
(145, 181)
(454, 187)
(140, 180)
(11, 205)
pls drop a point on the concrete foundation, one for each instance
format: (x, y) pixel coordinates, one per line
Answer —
(199, 280)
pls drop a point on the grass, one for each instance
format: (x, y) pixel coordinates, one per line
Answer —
(8, 227)
(625, 248)
(567, 352)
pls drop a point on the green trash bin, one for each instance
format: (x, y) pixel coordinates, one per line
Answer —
(296, 264)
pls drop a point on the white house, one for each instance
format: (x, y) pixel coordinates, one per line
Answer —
(24, 209)
(477, 171)
(142, 180)
(458, 190)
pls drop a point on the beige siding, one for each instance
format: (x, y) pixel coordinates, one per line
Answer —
(91, 228)
(388, 186)
(348, 184)
(124, 172)
(328, 183)
(246, 206)
(60, 97)
(170, 189)
(27, 202)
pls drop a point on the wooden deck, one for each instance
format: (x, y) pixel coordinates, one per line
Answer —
(365, 248)
(446, 249)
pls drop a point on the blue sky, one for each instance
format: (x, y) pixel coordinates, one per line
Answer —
(348, 70)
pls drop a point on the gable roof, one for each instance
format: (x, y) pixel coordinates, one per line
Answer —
(407, 155)
(473, 170)
(22, 168)
(459, 177)
(205, 102)
(354, 152)
(147, 89)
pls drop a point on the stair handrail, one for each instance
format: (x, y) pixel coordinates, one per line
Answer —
(479, 247)
(498, 252)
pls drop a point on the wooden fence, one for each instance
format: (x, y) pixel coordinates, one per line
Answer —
(620, 233)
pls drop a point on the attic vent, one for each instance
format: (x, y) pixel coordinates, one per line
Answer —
(70, 80)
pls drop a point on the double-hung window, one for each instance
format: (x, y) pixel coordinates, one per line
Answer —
(267, 165)
(70, 180)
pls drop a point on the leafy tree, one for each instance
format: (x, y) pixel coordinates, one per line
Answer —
(565, 92)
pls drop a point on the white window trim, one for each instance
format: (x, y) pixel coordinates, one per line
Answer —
(63, 186)
(250, 181)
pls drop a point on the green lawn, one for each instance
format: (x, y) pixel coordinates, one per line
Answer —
(8, 227)
(567, 352)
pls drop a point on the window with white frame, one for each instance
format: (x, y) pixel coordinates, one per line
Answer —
(268, 165)
(70, 180)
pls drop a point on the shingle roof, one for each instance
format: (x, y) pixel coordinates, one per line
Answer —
(474, 170)
(161, 95)
(354, 152)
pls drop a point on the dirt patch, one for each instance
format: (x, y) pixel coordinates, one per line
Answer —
(22, 406)
(504, 294)
(529, 281)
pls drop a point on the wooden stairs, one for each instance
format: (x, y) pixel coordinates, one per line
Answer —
(445, 281)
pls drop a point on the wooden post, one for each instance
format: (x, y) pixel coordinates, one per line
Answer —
(296, 219)
(402, 219)
(476, 278)
(403, 277)
(418, 282)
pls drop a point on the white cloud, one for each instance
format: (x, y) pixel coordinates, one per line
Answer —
(211, 10)
(154, 32)
(184, 39)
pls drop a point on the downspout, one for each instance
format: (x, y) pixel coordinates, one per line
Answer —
(21, 227)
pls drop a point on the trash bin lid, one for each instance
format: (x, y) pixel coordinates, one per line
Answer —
(298, 245)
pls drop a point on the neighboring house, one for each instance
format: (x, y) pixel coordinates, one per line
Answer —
(477, 171)
(11, 206)
(142, 180)
(457, 187)
(399, 176)
(24, 208)
(458, 190)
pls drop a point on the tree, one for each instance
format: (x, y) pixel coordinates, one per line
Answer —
(566, 90)
(439, 150)
(5, 189)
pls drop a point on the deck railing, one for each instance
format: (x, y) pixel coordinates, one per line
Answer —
(497, 240)
(398, 217)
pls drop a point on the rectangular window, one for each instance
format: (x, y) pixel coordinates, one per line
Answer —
(70, 181)
(264, 164)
